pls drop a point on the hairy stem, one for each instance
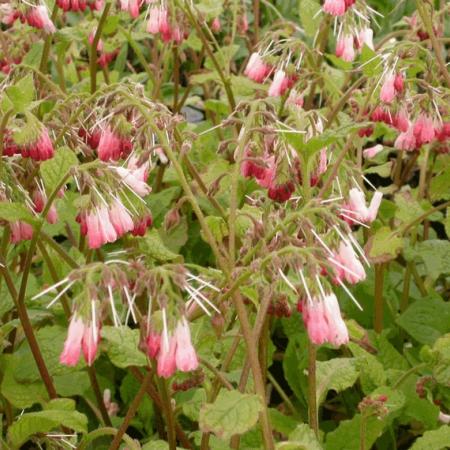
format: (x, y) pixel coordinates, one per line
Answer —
(313, 413)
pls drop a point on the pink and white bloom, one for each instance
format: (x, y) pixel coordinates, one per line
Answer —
(388, 92)
(185, 357)
(40, 149)
(365, 36)
(334, 7)
(349, 268)
(135, 179)
(72, 346)
(167, 358)
(371, 152)
(109, 146)
(153, 344)
(20, 231)
(337, 330)
(89, 343)
(423, 130)
(38, 17)
(279, 84)
(295, 98)
(257, 70)
(315, 320)
(98, 227)
(356, 205)
(215, 25)
(120, 218)
(345, 49)
(406, 140)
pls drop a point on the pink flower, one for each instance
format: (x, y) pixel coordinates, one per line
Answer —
(38, 17)
(120, 218)
(423, 130)
(257, 70)
(215, 25)
(365, 36)
(185, 357)
(281, 192)
(356, 205)
(406, 140)
(315, 321)
(399, 83)
(401, 121)
(279, 84)
(40, 149)
(40, 200)
(153, 20)
(20, 231)
(134, 180)
(109, 146)
(371, 152)
(89, 343)
(334, 7)
(344, 48)
(141, 225)
(337, 330)
(72, 346)
(99, 228)
(153, 344)
(350, 268)
(387, 93)
(167, 358)
(132, 6)
(295, 99)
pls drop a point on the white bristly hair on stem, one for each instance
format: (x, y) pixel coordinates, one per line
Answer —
(50, 288)
(130, 306)
(359, 249)
(202, 281)
(193, 296)
(94, 320)
(322, 242)
(308, 294)
(60, 294)
(286, 279)
(346, 269)
(165, 329)
(113, 307)
(346, 289)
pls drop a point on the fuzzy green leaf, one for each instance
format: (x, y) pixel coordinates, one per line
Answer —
(13, 212)
(231, 413)
(436, 439)
(54, 169)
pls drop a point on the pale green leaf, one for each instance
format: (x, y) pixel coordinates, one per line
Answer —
(383, 246)
(433, 440)
(53, 170)
(13, 212)
(231, 413)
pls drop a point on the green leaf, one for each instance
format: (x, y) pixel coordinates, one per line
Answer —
(44, 421)
(54, 169)
(336, 374)
(433, 440)
(426, 319)
(217, 226)
(158, 445)
(153, 246)
(34, 55)
(22, 93)
(441, 366)
(122, 346)
(282, 423)
(191, 406)
(309, 18)
(440, 186)
(13, 212)
(231, 413)
(302, 438)
(370, 62)
(160, 202)
(435, 254)
(383, 246)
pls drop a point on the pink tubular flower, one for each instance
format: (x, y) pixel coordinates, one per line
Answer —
(141, 225)
(295, 98)
(356, 205)
(406, 140)
(38, 17)
(334, 7)
(167, 358)
(315, 321)
(387, 93)
(215, 25)
(185, 357)
(153, 20)
(98, 227)
(40, 149)
(401, 121)
(371, 152)
(120, 218)
(72, 346)
(109, 146)
(423, 130)
(153, 344)
(134, 179)
(337, 330)
(40, 200)
(344, 48)
(89, 343)
(257, 70)
(20, 231)
(349, 268)
(365, 36)
(279, 84)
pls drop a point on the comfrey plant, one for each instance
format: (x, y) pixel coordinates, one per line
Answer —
(224, 224)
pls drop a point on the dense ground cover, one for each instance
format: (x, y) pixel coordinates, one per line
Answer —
(224, 224)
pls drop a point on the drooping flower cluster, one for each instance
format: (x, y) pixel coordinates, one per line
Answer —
(37, 16)
(33, 142)
(337, 7)
(81, 337)
(173, 351)
(159, 22)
